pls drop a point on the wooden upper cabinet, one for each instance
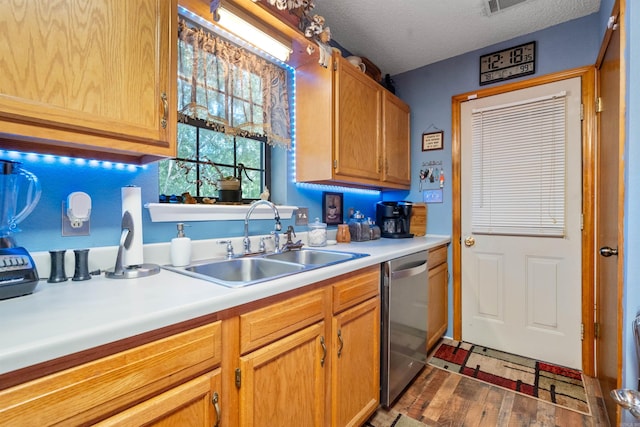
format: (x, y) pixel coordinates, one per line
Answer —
(350, 130)
(396, 143)
(95, 78)
(357, 112)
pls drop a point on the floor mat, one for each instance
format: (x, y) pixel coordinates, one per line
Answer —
(552, 383)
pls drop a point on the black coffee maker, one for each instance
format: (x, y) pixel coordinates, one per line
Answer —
(393, 219)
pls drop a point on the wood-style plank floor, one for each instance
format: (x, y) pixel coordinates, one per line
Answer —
(440, 398)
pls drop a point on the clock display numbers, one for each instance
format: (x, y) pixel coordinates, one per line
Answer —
(507, 64)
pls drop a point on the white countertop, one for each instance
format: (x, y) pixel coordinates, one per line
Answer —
(59, 319)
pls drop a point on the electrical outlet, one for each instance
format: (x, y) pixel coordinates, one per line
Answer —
(69, 229)
(302, 216)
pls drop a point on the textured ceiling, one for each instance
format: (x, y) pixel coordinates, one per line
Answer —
(401, 35)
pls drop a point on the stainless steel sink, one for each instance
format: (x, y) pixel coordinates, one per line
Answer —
(242, 271)
(245, 271)
(313, 257)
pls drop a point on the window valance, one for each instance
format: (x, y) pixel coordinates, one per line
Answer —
(233, 90)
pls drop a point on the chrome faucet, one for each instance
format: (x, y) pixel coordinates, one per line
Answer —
(246, 242)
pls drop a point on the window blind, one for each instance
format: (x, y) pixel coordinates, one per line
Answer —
(518, 178)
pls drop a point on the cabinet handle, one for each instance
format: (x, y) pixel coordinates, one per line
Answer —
(214, 400)
(165, 106)
(341, 342)
(324, 351)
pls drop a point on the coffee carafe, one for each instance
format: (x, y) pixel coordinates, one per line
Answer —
(393, 219)
(20, 194)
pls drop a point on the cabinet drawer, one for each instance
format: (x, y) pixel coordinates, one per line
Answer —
(265, 325)
(355, 288)
(437, 256)
(90, 391)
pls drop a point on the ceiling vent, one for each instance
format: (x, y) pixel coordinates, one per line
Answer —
(495, 6)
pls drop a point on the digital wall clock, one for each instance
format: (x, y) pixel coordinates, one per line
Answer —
(507, 64)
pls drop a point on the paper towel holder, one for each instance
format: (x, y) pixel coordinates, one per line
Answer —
(130, 271)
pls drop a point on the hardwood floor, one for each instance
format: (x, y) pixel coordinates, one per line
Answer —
(440, 398)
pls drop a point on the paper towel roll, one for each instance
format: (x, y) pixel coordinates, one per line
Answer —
(132, 202)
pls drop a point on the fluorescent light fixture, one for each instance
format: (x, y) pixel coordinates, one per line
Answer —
(252, 35)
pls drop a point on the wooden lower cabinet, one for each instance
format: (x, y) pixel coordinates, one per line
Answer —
(318, 359)
(194, 404)
(438, 299)
(311, 359)
(283, 383)
(356, 364)
(93, 391)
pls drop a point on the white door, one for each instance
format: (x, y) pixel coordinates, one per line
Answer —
(522, 293)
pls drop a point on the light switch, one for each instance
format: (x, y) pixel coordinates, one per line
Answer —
(302, 216)
(432, 196)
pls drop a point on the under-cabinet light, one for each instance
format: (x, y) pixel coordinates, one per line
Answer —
(252, 35)
(26, 157)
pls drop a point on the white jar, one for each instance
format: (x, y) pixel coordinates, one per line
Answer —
(317, 233)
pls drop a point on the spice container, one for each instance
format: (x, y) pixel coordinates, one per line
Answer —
(317, 233)
(343, 235)
(359, 228)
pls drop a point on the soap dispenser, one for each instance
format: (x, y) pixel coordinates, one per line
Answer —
(180, 248)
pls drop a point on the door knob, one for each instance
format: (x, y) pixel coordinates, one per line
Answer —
(607, 251)
(469, 241)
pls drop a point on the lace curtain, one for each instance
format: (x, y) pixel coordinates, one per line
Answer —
(231, 89)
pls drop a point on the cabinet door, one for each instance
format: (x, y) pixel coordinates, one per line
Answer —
(193, 404)
(84, 393)
(98, 74)
(282, 384)
(356, 364)
(438, 304)
(396, 141)
(357, 124)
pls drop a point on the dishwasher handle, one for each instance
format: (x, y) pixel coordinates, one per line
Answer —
(409, 272)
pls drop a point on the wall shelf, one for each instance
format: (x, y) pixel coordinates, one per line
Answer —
(172, 212)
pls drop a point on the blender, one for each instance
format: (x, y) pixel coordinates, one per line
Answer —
(19, 194)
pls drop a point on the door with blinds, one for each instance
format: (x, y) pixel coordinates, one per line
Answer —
(521, 222)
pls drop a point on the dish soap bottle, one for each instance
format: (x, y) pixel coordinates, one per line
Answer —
(180, 248)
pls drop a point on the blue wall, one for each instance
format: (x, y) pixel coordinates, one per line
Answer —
(41, 231)
(631, 300)
(428, 90)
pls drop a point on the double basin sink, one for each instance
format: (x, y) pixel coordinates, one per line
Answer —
(249, 270)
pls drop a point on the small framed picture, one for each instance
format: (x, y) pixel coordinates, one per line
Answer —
(432, 141)
(332, 208)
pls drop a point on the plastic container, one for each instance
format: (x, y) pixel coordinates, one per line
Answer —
(180, 248)
(359, 228)
(317, 233)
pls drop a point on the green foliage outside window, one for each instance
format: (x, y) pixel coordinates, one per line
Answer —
(232, 107)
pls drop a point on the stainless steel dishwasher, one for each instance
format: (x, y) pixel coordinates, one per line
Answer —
(404, 323)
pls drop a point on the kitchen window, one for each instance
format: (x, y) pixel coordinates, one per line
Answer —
(233, 107)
